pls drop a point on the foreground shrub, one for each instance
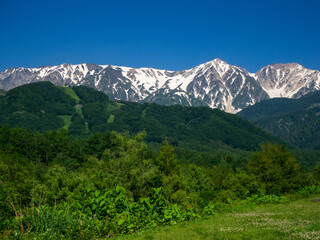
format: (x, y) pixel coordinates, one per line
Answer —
(96, 214)
(264, 199)
(277, 169)
(309, 190)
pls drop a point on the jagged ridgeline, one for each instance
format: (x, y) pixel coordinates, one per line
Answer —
(215, 84)
(296, 121)
(42, 106)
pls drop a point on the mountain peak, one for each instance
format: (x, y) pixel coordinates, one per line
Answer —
(215, 84)
(286, 66)
(214, 62)
(289, 80)
(218, 60)
(217, 63)
(65, 65)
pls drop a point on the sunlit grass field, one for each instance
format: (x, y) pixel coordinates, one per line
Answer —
(299, 219)
(67, 121)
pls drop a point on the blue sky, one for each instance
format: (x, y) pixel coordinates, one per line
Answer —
(172, 35)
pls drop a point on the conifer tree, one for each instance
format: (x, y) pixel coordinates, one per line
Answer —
(167, 160)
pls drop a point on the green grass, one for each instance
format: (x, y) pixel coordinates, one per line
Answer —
(70, 92)
(144, 112)
(298, 219)
(112, 106)
(67, 121)
(78, 108)
(111, 119)
(119, 104)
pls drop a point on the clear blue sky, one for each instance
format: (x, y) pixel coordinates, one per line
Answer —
(172, 35)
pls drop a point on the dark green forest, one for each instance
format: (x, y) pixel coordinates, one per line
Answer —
(75, 165)
(295, 121)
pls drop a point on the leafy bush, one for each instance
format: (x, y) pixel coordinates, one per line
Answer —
(309, 190)
(209, 209)
(265, 199)
(111, 184)
(277, 169)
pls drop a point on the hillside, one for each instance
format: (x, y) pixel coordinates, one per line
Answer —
(296, 121)
(96, 185)
(82, 110)
(2, 92)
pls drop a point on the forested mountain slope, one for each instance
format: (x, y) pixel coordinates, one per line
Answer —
(296, 121)
(81, 110)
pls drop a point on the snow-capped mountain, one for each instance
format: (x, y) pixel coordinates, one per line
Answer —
(215, 84)
(288, 80)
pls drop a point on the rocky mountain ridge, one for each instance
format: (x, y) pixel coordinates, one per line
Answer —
(215, 84)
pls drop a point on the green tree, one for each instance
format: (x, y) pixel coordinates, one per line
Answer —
(167, 161)
(276, 168)
(128, 164)
(316, 173)
(243, 185)
(6, 212)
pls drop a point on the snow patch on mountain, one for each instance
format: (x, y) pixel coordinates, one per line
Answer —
(288, 80)
(215, 84)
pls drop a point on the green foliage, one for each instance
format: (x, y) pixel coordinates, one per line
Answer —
(316, 173)
(15, 181)
(89, 95)
(265, 199)
(307, 158)
(67, 121)
(279, 106)
(188, 127)
(293, 129)
(309, 190)
(6, 211)
(78, 126)
(96, 114)
(100, 214)
(297, 219)
(36, 106)
(209, 210)
(107, 205)
(277, 169)
(70, 92)
(243, 185)
(109, 184)
(51, 223)
(167, 161)
(54, 185)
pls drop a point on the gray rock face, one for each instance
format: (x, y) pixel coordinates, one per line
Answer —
(288, 80)
(215, 84)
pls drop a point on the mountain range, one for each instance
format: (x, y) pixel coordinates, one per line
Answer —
(215, 84)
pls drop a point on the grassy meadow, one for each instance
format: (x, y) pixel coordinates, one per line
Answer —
(299, 219)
